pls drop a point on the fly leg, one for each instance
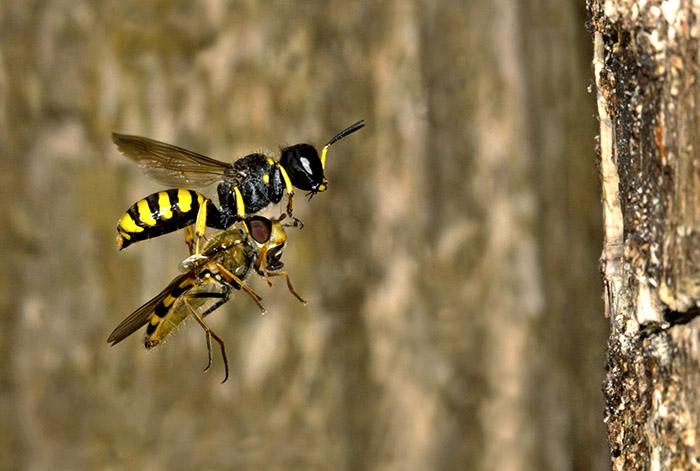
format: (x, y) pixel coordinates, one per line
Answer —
(236, 281)
(210, 333)
(289, 283)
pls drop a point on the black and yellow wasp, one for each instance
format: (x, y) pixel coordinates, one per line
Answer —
(208, 282)
(246, 186)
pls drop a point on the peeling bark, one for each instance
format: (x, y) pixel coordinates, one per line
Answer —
(450, 268)
(646, 70)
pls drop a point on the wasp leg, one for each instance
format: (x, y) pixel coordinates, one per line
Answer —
(289, 284)
(240, 204)
(240, 209)
(200, 226)
(189, 239)
(234, 280)
(289, 188)
(290, 203)
(211, 334)
(195, 260)
(297, 223)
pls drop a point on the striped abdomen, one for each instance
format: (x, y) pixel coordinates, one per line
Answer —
(183, 295)
(159, 213)
(170, 311)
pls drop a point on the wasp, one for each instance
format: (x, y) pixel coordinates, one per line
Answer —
(208, 282)
(245, 187)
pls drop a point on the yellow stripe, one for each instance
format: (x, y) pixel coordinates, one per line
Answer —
(122, 238)
(287, 182)
(155, 320)
(164, 205)
(127, 224)
(168, 301)
(184, 200)
(240, 205)
(185, 283)
(145, 215)
(200, 224)
(323, 156)
(266, 179)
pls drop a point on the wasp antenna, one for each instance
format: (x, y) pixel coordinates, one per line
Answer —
(347, 131)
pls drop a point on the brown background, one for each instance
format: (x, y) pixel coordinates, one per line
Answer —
(454, 318)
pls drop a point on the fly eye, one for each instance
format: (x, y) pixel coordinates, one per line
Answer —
(260, 229)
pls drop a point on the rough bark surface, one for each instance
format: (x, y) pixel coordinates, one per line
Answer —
(646, 66)
(451, 268)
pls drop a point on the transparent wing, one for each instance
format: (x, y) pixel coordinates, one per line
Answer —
(142, 315)
(170, 164)
(204, 299)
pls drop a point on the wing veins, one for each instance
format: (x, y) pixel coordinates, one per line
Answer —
(142, 315)
(168, 163)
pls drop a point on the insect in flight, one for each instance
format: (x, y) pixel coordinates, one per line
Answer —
(207, 283)
(246, 186)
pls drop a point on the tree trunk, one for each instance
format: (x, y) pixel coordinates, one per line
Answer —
(451, 267)
(646, 70)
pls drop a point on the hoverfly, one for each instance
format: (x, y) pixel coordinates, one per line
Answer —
(246, 186)
(208, 281)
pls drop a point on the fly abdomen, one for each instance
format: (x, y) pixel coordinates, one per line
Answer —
(185, 296)
(161, 213)
(166, 315)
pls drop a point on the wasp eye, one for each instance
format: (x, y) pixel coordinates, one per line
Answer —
(260, 228)
(303, 166)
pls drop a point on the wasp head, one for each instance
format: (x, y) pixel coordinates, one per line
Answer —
(303, 165)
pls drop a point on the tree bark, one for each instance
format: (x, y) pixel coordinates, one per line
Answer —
(451, 267)
(646, 71)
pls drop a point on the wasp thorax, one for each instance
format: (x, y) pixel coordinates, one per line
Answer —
(304, 168)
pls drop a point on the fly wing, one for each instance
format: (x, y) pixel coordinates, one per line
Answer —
(201, 299)
(170, 164)
(142, 315)
(204, 298)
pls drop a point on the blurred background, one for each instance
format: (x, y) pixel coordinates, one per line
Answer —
(454, 320)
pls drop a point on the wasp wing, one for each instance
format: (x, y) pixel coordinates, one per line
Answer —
(142, 315)
(170, 164)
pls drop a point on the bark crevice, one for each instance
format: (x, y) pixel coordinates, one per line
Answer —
(646, 73)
